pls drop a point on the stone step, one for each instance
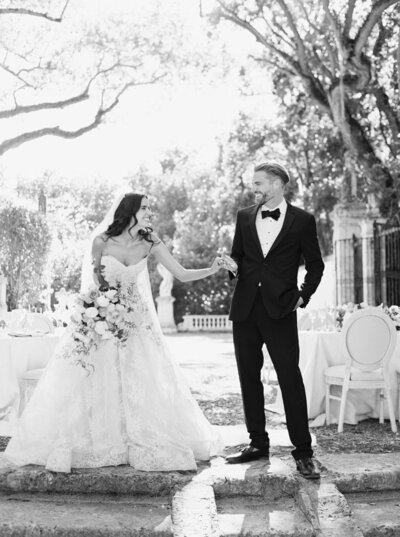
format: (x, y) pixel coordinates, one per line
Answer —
(271, 480)
(194, 512)
(122, 480)
(64, 515)
(256, 517)
(327, 510)
(377, 513)
(360, 472)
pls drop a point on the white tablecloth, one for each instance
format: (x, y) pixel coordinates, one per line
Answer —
(320, 350)
(17, 355)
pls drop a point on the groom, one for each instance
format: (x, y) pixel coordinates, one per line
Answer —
(270, 239)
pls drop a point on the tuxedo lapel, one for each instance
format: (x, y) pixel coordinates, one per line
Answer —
(253, 228)
(289, 217)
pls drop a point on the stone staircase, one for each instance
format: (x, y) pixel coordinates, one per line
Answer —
(220, 500)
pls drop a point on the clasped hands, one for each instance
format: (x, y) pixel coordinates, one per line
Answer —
(225, 262)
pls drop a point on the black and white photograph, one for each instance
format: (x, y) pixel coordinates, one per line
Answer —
(199, 268)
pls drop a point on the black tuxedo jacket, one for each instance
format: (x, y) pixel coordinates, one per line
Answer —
(277, 271)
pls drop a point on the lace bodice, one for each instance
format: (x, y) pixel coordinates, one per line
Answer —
(125, 276)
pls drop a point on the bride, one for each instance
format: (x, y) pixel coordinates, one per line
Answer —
(135, 406)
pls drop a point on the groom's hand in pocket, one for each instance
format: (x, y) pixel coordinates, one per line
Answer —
(298, 303)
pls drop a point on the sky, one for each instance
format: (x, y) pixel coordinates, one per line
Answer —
(149, 120)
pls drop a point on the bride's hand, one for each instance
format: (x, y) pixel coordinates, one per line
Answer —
(228, 263)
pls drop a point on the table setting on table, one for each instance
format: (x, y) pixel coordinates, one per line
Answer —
(27, 341)
(321, 347)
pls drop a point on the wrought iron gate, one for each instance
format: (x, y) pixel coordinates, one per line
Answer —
(387, 263)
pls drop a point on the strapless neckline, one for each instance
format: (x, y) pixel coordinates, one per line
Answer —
(123, 264)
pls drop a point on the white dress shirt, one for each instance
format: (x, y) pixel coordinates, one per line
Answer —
(267, 228)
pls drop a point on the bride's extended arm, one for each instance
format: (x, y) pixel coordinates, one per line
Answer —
(164, 256)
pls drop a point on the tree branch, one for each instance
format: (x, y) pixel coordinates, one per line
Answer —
(33, 13)
(80, 97)
(348, 19)
(16, 141)
(398, 62)
(301, 50)
(313, 85)
(331, 55)
(372, 19)
(383, 104)
(274, 64)
(19, 109)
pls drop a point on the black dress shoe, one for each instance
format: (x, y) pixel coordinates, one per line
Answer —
(248, 454)
(307, 468)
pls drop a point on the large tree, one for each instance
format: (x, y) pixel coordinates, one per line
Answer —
(63, 67)
(344, 57)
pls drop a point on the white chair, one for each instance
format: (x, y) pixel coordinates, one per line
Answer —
(16, 318)
(28, 382)
(39, 322)
(368, 339)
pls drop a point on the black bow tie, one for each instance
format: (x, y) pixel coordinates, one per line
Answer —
(275, 214)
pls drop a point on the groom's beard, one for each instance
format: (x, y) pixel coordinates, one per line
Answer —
(261, 198)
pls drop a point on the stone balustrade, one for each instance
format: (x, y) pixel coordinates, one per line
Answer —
(205, 323)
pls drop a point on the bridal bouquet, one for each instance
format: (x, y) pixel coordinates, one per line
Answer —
(99, 315)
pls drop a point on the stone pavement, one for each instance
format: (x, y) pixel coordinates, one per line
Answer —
(358, 494)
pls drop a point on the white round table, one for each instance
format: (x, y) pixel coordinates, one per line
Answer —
(17, 355)
(320, 350)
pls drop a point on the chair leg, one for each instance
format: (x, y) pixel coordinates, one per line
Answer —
(398, 392)
(388, 394)
(381, 401)
(342, 407)
(328, 403)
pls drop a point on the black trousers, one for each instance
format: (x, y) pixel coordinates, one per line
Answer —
(281, 338)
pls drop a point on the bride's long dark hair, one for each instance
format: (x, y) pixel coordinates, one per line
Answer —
(128, 207)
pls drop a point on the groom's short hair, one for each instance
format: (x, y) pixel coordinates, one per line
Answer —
(274, 168)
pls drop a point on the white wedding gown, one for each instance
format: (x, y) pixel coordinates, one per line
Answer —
(135, 408)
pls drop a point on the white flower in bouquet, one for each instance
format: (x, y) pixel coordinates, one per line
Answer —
(98, 316)
(102, 301)
(90, 296)
(114, 317)
(91, 312)
(101, 327)
(107, 335)
(76, 317)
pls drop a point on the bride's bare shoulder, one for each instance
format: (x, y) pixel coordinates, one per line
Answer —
(100, 240)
